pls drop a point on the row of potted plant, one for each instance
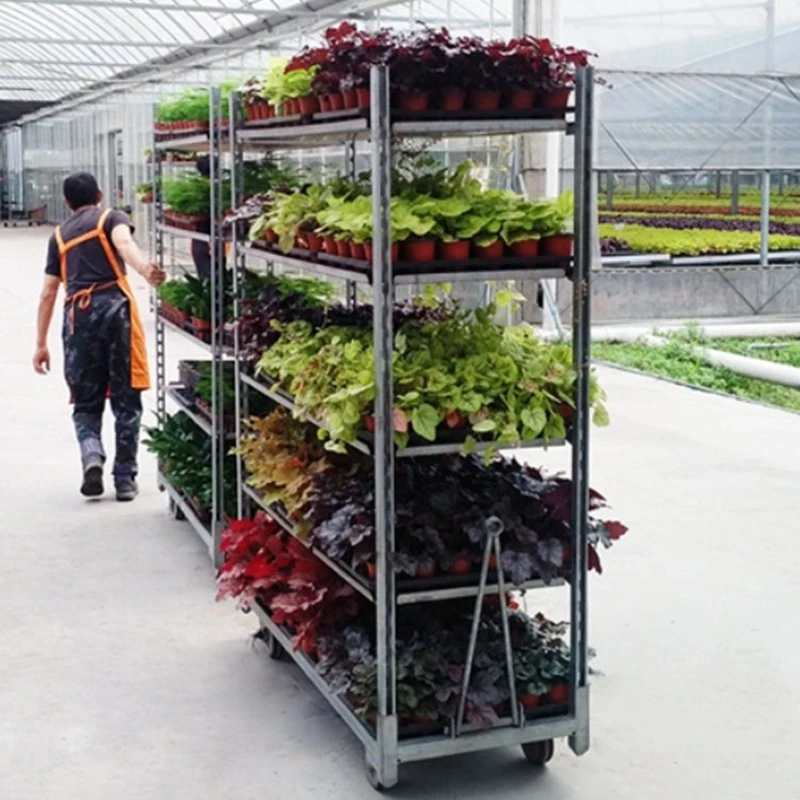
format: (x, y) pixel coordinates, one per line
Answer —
(469, 73)
(330, 500)
(189, 112)
(329, 622)
(442, 214)
(187, 304)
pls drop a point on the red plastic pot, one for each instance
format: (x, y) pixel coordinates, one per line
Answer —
(454, 251)
(521, 98)
(337, 101)
(357, 251)
(559, 693)
(270, 237)
(371, 571)
(529, 701)
(425, 571)
(252, 113)
(343, 248)
(314, 242)
(484, 100)
(364, 98)
(556, 99)
(419, 250)
(453, 99)
(180, 318)
(329, 246)
(308, 105)
(325, 103)
(461, 566)
(350, 97)
(414, 101)
(529, 248)
(201, 328)
(496, 250)
(301, 242)
(559, 246)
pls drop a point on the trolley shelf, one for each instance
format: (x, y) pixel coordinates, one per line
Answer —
(540, 268)
(364, 443)
(310, 670)
(196, 142)
(422, 747)
(200, 528)
(175, 393)
(181, 233)
(357, 127)
(409, 591)
(223, 349)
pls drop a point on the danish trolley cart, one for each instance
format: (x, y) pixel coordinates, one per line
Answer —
(204, 141)
(385, 749)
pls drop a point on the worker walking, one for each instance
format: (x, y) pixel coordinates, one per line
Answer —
(104, 342)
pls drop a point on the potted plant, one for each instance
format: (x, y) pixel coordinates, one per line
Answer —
(557, 237)
(200, 306)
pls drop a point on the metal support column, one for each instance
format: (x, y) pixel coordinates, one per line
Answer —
(239, 268)
(735, 192)
(609, 187)
(217, 316)
(158, 256)
(385, 771)
(764, 240)
(579, 700)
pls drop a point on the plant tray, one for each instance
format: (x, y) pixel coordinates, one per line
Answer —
(399, 115)
(506, 263)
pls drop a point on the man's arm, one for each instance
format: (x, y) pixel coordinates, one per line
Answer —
(132, 255)
(47, 301)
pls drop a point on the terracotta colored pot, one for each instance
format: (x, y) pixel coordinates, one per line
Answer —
(484, 100)
(521, 98)
(419, 250)
(301, 242)
(308, 105)
(368, 251)
(529, 701)
(314, 242)
(337, 101)
(271, 112)
(325, 103)
(350, 97)
(454, 251)
(496, 250)
(343, 248)
(252, 113)
(556, 99)
(357, 251)
(529, 248)
(559, 246)
(181, 318)
(201, 328)
(414, 101)
(364, 98)
(453, 99)
(270, 237)
(329, 246)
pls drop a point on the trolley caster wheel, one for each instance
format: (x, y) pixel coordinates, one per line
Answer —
(539, 753)
(175, 511)
(274, 647)
(372, 777)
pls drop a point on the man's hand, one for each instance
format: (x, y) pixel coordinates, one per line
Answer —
(153, 274)
(41, 360)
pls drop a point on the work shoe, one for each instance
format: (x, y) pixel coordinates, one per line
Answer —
(92, 485)
(127, 489)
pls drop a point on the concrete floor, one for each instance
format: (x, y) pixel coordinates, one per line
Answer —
(121, 678)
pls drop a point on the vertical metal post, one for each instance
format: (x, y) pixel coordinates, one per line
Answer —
(239, 267)
(383, 300)
(718, 186)
(217, 315)
(581, 343)
(735, 192)
(764, 240)
(637, 191)
(158, 254)
(609, 183)
(351, 288)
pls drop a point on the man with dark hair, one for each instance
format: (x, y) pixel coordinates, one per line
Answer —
(104, 343)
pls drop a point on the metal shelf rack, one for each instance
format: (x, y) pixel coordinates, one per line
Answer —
(384, 744)
(207, 143)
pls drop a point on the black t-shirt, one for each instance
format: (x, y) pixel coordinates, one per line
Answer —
(87, 263)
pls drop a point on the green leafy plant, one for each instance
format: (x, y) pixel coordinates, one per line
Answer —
(189, 194)
(178, 294)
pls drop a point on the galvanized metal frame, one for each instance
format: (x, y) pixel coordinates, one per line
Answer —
(384, 751)
(216, 348)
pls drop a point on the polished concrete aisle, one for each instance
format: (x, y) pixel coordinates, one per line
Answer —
(122, 679)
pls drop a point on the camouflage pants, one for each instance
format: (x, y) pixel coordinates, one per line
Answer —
(97, 364)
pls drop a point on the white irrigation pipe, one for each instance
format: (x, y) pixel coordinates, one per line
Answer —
(757, 368)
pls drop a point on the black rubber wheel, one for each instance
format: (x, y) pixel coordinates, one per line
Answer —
(175, 511)
(274, 647)
(372, 777)
(539, 753)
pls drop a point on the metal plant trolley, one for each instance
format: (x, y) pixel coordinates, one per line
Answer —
(204, 143)
(384, 749)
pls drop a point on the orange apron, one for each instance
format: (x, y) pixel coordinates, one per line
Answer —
(140, 374)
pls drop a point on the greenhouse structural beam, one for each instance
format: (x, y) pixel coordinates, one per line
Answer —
(121, 6)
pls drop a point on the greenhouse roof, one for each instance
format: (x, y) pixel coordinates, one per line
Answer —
(51, 50)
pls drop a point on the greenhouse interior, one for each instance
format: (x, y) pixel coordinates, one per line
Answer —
(541, 256)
